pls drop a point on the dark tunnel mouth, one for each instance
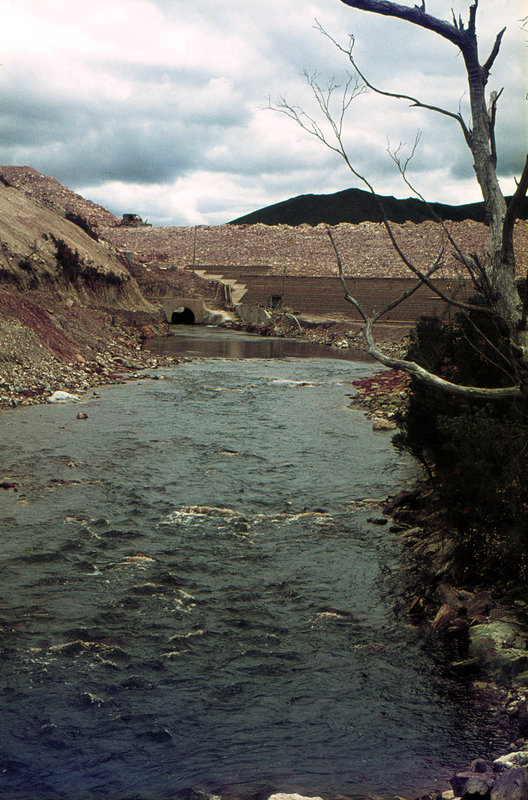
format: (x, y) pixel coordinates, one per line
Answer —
(183, 316)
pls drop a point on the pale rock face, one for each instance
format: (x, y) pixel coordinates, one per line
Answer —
(294, 796)
(63, 397)
(511, 785)
(382, 424)
(500, 645)
(516, 759)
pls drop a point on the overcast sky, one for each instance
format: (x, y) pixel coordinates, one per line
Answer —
(159, 106)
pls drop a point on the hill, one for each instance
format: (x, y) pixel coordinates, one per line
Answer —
(355, 206)
(73, 308)
(71, 313)
(54, 195)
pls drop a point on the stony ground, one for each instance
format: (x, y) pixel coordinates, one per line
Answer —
(365, 249)
(51, 343)
(48, 346)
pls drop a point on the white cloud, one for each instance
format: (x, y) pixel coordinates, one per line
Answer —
(156, 105)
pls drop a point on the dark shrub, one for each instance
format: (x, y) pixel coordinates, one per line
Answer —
(474, 451)
(68, 259)
(83, 223)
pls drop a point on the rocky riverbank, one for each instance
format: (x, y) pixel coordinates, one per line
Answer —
(481, 632)
(49, 345)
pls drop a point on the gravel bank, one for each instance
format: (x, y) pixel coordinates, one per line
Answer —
(48, 345)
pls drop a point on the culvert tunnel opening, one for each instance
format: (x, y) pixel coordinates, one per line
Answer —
(183, 316)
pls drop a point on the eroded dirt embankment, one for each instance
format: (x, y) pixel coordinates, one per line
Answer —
(47, 345)
(73, 313)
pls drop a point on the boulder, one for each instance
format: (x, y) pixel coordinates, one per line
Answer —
(293, 796)
(522, 716)
(517, 759)
(216, 317)
(471, 604)
(511, 785)
(63, 397)
(473, 784)
(417, 608)
(479, 605)
(445, 617)
(499, 646)
(382, 424)
(522, 679)
(456, 598)
(480, 765)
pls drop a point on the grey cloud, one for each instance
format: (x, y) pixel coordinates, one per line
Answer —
(116, 151)
(167, 120)
(97, 141)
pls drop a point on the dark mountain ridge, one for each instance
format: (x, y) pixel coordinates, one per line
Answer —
(356, 205)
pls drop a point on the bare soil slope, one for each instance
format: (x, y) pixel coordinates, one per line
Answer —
(50, 191)
(71, 314)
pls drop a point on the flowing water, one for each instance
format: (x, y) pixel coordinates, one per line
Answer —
(192, 595)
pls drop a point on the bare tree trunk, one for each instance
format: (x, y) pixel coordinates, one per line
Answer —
(500, 271)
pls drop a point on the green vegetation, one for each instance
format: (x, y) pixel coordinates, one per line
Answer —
(475, 452)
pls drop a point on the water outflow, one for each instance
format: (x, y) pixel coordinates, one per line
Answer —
(192, 595)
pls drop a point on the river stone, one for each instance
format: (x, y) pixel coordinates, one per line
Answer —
(499, 646)
(293, 796)
(444, 618)
(479, 605)
(521, 679)
(286, 796)
(480, 765)
(382, 424)
(516, 759)
(63, 397)
(472, 784)
(511, 785)
(216, 317)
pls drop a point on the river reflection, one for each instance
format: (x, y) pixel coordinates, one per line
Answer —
(205, 341)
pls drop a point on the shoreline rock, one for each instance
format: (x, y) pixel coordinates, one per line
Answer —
(479, 630)
(484, 621)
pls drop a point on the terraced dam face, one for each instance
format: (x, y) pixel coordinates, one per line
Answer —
(192, 595)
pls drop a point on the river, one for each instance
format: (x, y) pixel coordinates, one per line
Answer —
(192, 594)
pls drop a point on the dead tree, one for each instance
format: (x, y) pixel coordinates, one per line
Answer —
(495, 277)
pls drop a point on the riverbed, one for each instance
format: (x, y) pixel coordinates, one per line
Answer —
(196, 593)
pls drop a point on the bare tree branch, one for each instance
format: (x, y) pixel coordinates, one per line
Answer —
(511, 215)
(470, 263)
(497, 276)
(348, 296)
(494, 97)
(494, 53)
(405, 295)
(348, 51)
(324, 99)
(410, 367)
(454, 33)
